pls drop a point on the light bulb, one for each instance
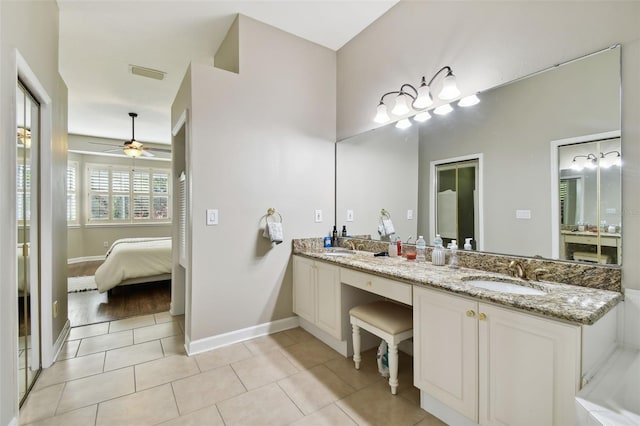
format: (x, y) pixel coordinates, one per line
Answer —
(469, 101)
(591, 163)
(443, 109)
(449, 88)
(424, 97)
(381, 114)
(403, 124)
(422, 116)
(401, 107)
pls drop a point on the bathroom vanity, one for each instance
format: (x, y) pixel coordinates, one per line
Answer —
(480, 356)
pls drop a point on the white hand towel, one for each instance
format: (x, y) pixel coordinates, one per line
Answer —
(388, 226)
(273, 231)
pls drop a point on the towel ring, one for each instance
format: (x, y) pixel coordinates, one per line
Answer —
(271, 213)
(384, 213)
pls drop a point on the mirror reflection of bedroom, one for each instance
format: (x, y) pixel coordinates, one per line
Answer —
(119, 211)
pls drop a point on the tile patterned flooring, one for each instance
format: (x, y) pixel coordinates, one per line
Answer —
(135, 372)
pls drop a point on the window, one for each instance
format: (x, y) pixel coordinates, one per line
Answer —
(72, 192)
(128, 196)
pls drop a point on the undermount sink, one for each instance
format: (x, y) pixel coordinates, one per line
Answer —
(504, 287)
(339, 252)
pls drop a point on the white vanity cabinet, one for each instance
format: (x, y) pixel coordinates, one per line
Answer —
(493, 365)
(316, 294)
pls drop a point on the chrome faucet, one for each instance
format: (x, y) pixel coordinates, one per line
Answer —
(516, 269)
(408, 239)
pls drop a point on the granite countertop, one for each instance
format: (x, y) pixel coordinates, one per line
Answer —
(566, 302)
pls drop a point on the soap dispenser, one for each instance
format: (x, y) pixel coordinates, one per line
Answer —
(334, 237)
(467, 244)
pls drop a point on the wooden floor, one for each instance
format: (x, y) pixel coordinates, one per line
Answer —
(89, 307)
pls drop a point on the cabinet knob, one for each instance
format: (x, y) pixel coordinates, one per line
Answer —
(471, 313)
(482, 316)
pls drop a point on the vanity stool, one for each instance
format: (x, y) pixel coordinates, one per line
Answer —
(391, 322)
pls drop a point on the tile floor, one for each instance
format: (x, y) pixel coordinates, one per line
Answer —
(135, 372)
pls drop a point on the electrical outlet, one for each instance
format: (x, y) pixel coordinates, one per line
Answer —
(105, 244)
(523, 214)
(409, 214)
(212, 216)
(55, 309)
(349, 215)
(318, 216)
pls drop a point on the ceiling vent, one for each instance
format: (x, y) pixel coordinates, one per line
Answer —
(146, 72)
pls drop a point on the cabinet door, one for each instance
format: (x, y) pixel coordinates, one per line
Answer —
(328, 299)
(304, 285)
(445, 345)
(528, 367)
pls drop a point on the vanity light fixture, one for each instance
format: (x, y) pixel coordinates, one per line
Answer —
(410, 99)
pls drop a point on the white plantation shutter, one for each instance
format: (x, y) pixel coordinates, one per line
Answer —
(72, 192)
(182, 219)
(122, 195)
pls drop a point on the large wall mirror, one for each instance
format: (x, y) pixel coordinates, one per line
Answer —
(511, 130)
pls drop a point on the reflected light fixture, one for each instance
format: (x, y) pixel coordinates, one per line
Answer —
(590, 162)
(610, 159)
(443, 109)
(410, 99)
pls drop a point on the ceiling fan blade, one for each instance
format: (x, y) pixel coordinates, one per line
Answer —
(146, 153)
(167, 150)
(104, 144)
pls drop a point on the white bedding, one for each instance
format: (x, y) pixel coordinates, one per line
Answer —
(134, 258)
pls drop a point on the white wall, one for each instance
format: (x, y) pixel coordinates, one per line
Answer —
(259, 139)
(37, 43)
(489, 43)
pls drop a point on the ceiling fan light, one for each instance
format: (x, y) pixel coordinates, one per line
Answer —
(443, 109)
(401, 107)
(449, 88)
(422, 116)
(132, 151)
(381, 114)
(403, 124)
(424, 99)
(468, 101)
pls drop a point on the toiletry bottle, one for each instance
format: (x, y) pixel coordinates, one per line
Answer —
(344, 230)
(467, 244)
(399, 246)
(438, 255)
(327, 242)
(453, 257)
(421, 248)
(393, 251)
(334, 237)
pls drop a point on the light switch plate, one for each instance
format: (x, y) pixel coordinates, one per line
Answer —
(318, 216)
(409, 214)
(349, 215)
(212, 217)
(523, 214)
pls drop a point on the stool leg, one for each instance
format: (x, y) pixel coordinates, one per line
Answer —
(393, 367)
(356, 346)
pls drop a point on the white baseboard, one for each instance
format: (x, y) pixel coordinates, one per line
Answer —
(225, 339)
(84, 259)
(59, 343)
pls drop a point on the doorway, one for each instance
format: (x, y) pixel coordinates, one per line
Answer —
(28, 231)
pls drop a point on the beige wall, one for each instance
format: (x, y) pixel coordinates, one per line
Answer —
(37, 43)
(88, 240)
(489, 43)
(259, 139)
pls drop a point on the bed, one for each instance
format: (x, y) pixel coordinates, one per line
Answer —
(135, 260)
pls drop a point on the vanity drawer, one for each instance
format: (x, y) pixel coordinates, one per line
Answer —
(390, 289)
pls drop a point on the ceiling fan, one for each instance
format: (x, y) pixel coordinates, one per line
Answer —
(133, 148)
